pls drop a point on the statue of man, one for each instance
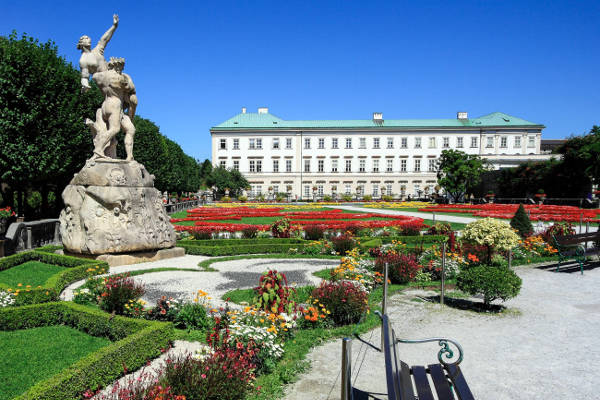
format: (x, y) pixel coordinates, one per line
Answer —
(92, 60)
(119, 96)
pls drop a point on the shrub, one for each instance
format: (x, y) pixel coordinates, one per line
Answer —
(410, 230)
(386, 197)
(273, 294)
(201, 235)
(439, 228)
(347, 197)
(327, 198)
(313, 232)
(118, 291)
(520, 221)
(491, 282)
(226, 199)
(493, 234)
(558, 229)
(243, 199)
(343, 243)
(345, 301)
(281, 228)
(402, 268)
(249, 232)
(165, 310)
(367, 197)
(193, 316)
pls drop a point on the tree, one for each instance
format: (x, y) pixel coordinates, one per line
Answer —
(205, 170)
(43, 139)
(459, 172)
(582, 153)
(223, 178)
(521, 222)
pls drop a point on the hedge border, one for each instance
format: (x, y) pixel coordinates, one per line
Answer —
(237, 241)
(134, 343)
(77, 269)
(239, 249)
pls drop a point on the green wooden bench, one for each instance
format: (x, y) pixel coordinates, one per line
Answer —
(571, 247)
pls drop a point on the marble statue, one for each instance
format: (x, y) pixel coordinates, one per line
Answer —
(111, 205)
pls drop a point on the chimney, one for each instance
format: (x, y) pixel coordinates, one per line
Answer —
(263, 110)
(377, 117)
(462, 115)
(243, 110)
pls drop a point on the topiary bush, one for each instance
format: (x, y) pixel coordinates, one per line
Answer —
(343, 299)
(492, 282)
(520, 221)
(402, 268)
(493, 234)
(367, 197)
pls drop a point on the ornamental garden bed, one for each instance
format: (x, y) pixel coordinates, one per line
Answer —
(36, 276)
(119, 343)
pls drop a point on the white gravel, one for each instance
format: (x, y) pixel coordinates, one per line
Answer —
(545, 346)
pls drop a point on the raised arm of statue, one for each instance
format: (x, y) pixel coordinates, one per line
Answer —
(107, 35)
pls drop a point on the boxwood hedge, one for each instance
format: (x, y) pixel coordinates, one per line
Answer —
(134, 343)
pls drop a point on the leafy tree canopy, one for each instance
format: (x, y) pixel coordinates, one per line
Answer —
(459, 172)
(223, 178)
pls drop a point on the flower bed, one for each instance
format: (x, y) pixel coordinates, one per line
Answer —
(507, 211)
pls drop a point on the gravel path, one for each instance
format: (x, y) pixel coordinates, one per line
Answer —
(544, 346)
(438, 217)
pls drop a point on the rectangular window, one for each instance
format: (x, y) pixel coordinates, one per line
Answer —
(362, 143)
(307, 165)
(321, 143)
(251, 144)
(517, 142)
(276, 143)
(275, 165)
(388, 189)
(334, 143)
(432, 142)
(223, 144)
(376, 143)
(258, 166)
(348, 165)
(389, 165)
(503, 142)
(348, 189)
(275, 189)
(417, 165)
(403, 165)
(375, 165)
(473, 142)
(404, 143)
(362, 165)
(432, 165)
(375, 191)
(236, 165)
(417, 143)
(446, 142)
(459, 142)
(334, 165)
(288, 165)
(288, 143)
(222, 163)
(531, 141)
(390, 143)
(307, 143)
(320, 165)
(236, 144)
(320, 190)
(259, 144)
(252, 166)
(489, 142)
(348, 143)
(306, 191)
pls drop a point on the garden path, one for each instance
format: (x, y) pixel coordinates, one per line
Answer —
(234, 274)
(544, 346)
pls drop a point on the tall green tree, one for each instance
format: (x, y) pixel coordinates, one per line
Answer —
(224, 178)
(459, 172)
(582, 153)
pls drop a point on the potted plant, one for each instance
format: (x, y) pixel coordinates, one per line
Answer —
(540, 194)
(5, 214)
(490, 196)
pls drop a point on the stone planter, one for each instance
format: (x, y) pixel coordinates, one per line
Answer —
(3, 226)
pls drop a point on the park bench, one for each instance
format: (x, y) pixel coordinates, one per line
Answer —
(571, 247)
(444, 378)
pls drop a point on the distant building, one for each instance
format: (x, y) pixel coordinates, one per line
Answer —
(370, 156)
(549, 145)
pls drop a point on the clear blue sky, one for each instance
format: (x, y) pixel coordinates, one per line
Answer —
(195, 64)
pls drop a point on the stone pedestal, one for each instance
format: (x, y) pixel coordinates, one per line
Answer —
(111, 206)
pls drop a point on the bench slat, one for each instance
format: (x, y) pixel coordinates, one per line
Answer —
(442, 386)
(460, 384)
(406, 388)
(422, 383)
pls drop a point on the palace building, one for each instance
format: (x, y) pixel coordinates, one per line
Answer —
(374, 156)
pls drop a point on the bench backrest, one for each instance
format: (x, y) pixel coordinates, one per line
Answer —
(391, 363)
(566, 240)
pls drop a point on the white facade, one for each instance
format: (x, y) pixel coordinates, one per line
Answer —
(374, 157)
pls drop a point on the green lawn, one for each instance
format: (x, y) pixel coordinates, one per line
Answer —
(32, 355)
(32, 273)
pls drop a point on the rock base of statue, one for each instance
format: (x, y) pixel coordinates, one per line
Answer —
(111, 206)
(114, 260)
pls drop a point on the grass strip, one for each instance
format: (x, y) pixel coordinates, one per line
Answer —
(206, 264)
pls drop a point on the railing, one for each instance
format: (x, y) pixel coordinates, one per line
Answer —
(22, 236)
(181, 206)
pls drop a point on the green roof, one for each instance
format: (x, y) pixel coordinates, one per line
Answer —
(269, 121)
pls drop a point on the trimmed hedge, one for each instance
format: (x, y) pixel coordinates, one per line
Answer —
(77, 269)
(134, 343)
(234, 242)
(238, 249)
(407, 239)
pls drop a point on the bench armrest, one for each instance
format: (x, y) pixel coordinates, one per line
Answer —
(445, 351)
